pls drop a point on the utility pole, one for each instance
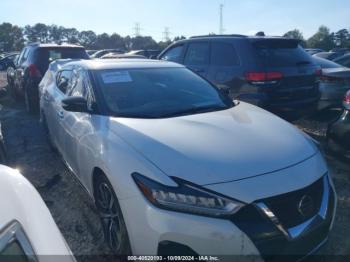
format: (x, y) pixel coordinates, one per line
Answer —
(221, 28)
(137, 29)
(166, 34)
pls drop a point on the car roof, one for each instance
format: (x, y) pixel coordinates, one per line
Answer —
(103, 64)
(51, 45)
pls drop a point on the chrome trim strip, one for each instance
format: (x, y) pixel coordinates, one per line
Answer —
(299, 230)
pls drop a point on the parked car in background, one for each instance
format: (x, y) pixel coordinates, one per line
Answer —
(103, 52)
(27, 229)
(334, 83)
(338, 134)
(7, 61)
(122, 56)
(32, 65)
(91, 52)
(313, 51)
(328, 55)
(149, 53)
(271, 72)
(10, 74)
(343, 60)
(162, 150)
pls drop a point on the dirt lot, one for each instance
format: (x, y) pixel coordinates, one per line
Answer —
(73, 210)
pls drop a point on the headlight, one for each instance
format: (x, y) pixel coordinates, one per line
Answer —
(187, 198)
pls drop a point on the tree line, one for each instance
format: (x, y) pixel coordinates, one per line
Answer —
(13, 37)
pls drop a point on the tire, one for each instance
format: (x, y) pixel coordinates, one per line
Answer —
(114, 228)
(30, 100)
(47, 133)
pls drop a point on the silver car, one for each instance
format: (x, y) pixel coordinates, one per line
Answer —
(334, 83)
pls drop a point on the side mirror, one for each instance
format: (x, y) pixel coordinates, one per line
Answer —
(75, 104)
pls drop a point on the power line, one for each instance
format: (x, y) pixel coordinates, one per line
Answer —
(221, 28)
(166, 34)
(137, 29)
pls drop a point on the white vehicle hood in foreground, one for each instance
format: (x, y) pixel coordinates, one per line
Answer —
(217, 147)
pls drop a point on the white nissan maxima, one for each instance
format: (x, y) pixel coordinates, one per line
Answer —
(174, 166)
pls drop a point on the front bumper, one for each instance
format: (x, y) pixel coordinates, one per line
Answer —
(250, 232)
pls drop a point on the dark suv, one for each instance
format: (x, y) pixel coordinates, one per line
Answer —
(272, 72)
(32, 64)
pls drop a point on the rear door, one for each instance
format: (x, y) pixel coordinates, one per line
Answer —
(55, 113)
(197, 57)
(298, 80)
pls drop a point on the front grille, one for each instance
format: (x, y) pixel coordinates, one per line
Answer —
(272, 244)
(286, 207)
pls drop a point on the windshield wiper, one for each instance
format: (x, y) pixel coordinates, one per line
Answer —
(195, 110)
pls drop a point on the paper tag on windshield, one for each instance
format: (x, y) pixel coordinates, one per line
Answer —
(116, 77)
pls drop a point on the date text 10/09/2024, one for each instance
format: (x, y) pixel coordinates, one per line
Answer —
(173, 258)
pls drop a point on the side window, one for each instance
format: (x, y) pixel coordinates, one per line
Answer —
(25, 55)
(20, 58)
(63, 80)
(197, 54)
(173, 54)
(14, 243)
(223, 54)
(78, 87)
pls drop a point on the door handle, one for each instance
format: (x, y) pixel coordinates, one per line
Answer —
(60, 114)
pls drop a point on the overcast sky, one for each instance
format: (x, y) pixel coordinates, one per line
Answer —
(183, 17)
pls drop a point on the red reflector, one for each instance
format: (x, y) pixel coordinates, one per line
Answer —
(262, 76)
(347, 98)
(33, 71)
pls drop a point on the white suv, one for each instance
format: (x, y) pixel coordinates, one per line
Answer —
(174, 166)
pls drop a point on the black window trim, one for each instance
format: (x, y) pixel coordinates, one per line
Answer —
(14, 232)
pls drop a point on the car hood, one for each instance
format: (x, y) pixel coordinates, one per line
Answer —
(217, 147)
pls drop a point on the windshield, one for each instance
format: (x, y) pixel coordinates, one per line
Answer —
(158, 92)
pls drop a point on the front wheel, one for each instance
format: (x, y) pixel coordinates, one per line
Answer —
(113, 224)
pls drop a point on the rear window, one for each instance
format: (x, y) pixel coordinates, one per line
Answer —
(51, 54)
(47, 55)
(281, 53)
(324, 63)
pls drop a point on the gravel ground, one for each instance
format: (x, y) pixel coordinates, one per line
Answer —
(73, 210)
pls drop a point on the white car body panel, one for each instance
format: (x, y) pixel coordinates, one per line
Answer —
(21, 202)
(244, 152)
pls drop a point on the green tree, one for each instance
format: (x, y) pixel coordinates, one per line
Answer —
(11, 37)
(56, 33)
(322, 39)
(37, 33)
(342, 38)
(70, 35)
(296, 34)
(87, 39)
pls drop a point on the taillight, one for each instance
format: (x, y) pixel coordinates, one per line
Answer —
(263, 76)
(347, 98)
(33, 71)
(325, 78)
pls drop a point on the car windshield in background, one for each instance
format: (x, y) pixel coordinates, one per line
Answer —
(158, 93)
(281, 53)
